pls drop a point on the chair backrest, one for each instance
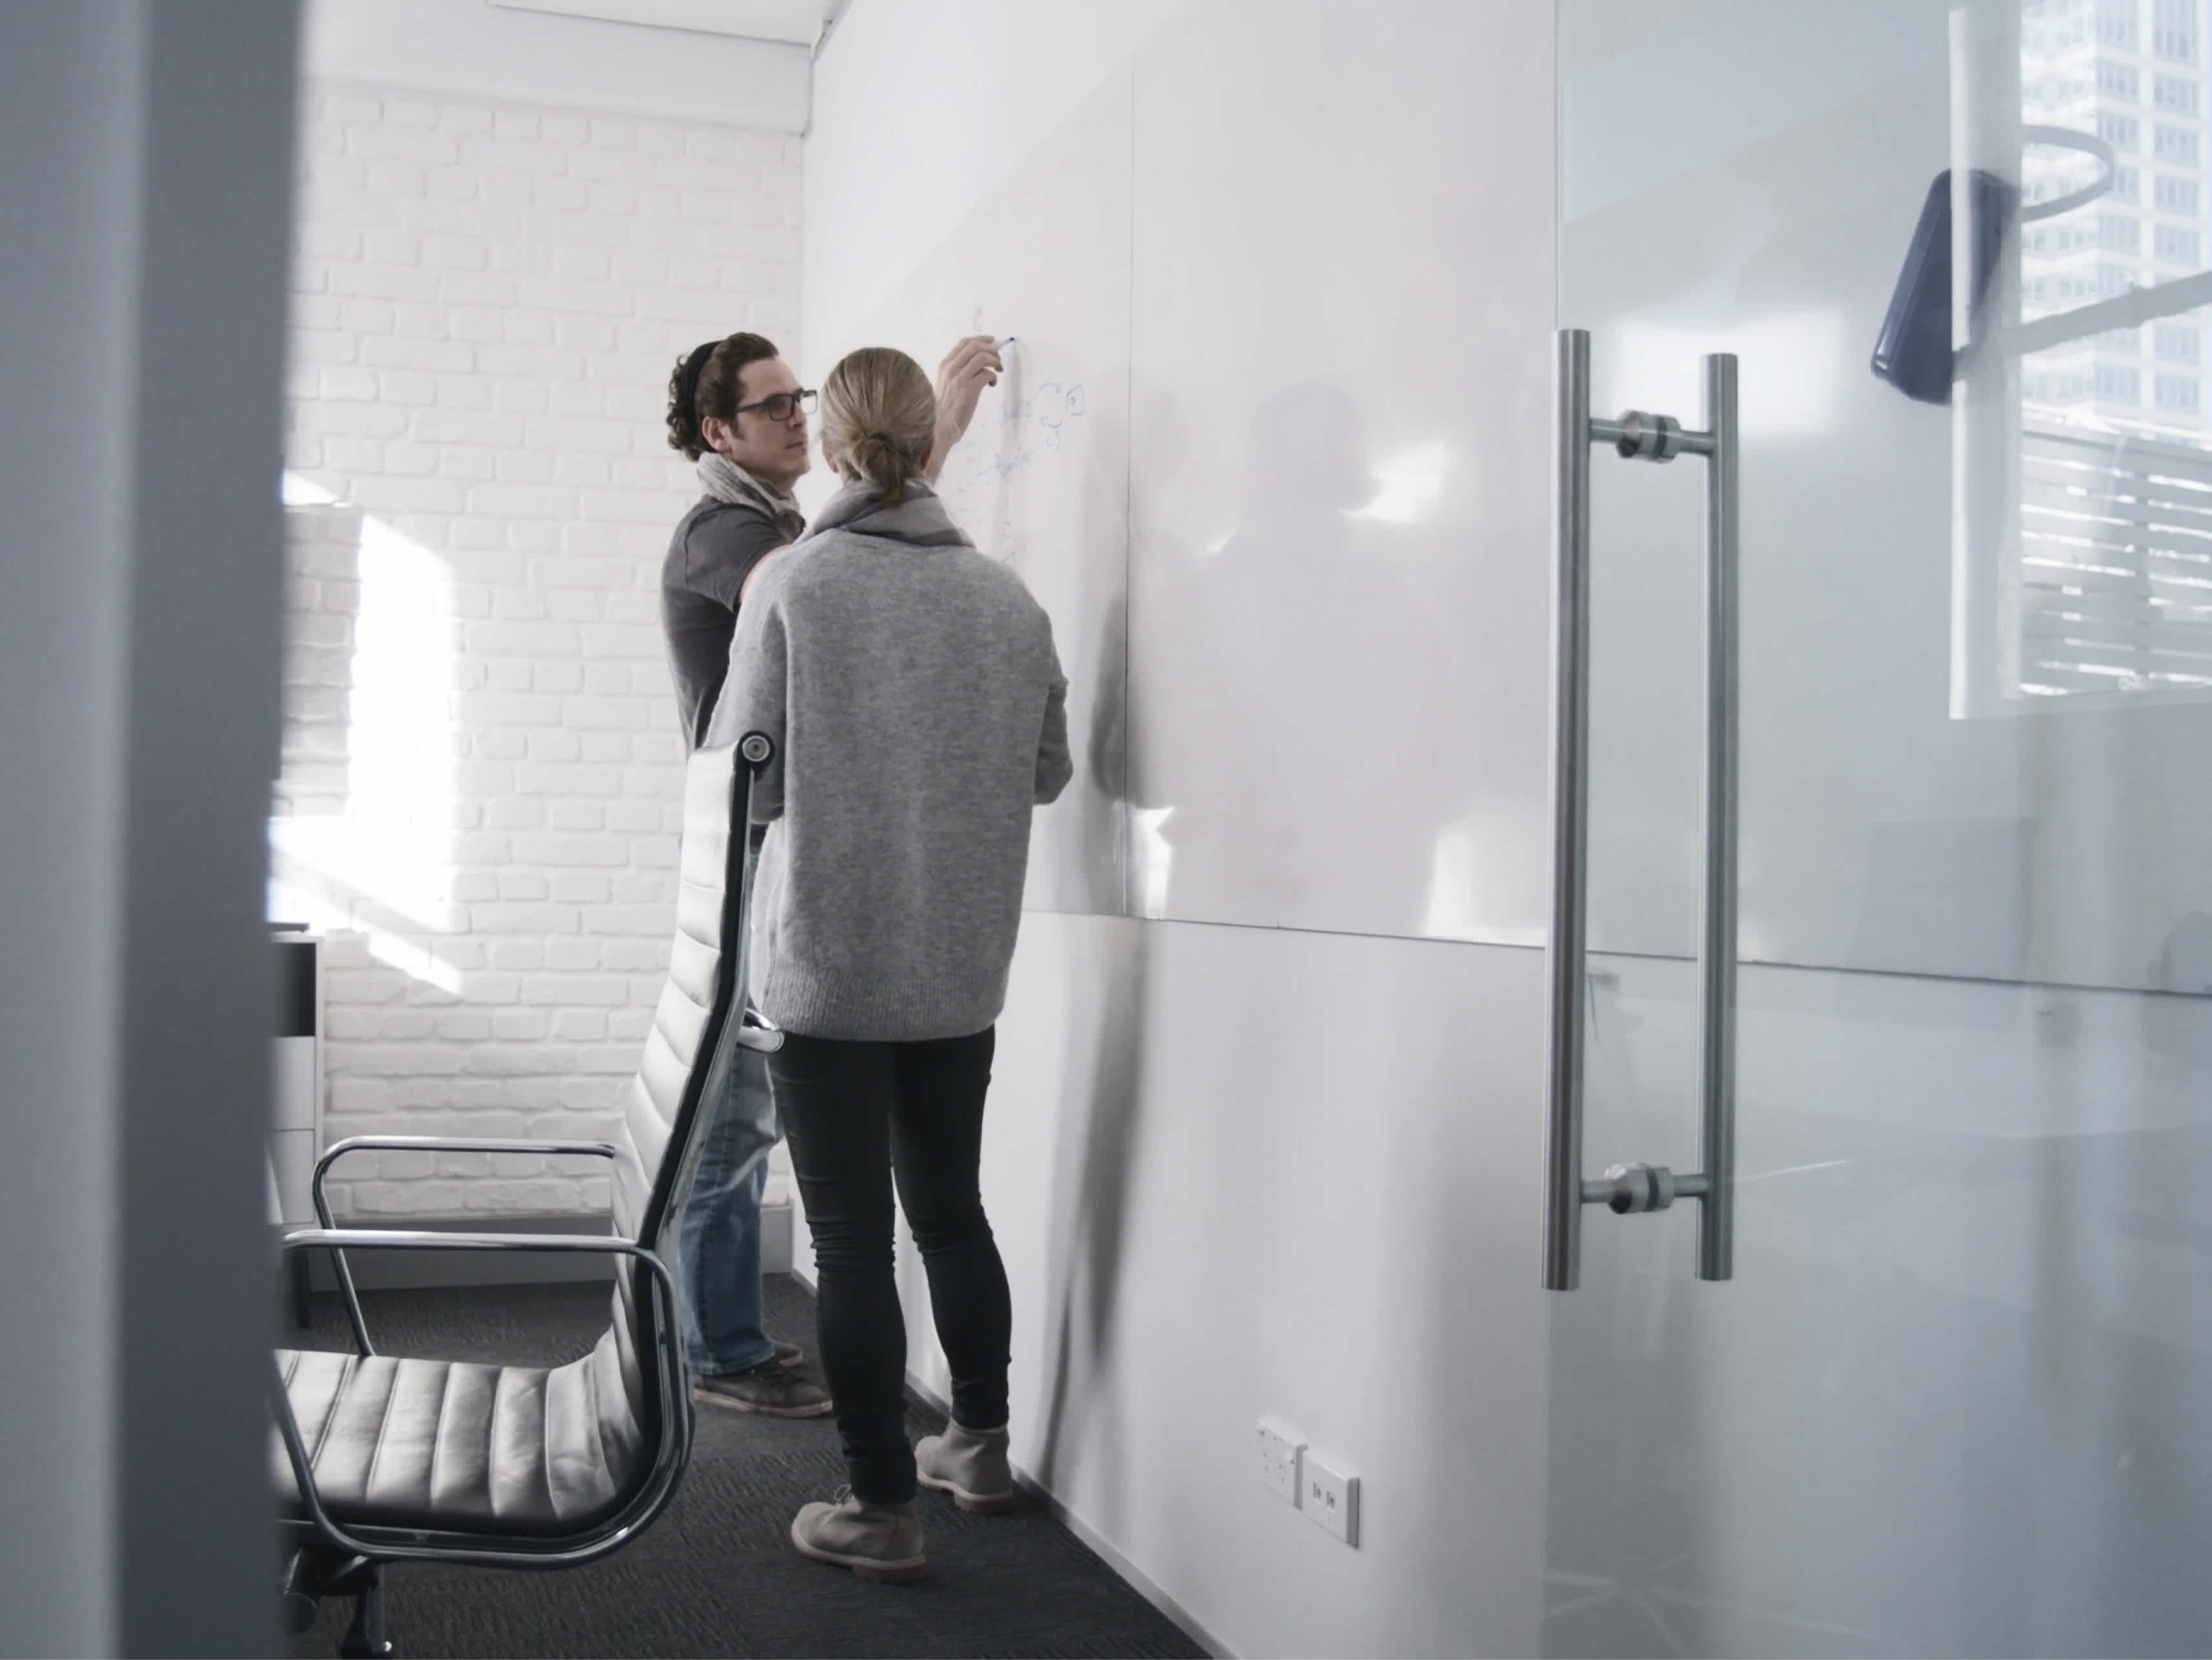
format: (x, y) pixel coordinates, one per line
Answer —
(660, 1104)
(668, 1103)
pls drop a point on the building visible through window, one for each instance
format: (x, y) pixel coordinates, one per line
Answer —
(2109, 591)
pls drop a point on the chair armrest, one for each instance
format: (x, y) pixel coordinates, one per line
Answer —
(338, 1150)
(414, 1144)
(428, 1239)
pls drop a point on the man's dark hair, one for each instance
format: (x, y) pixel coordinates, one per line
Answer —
(706, 383)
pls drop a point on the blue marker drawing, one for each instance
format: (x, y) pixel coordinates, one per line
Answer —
(1027, 425)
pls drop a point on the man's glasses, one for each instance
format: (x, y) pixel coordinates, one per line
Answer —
(781, 407)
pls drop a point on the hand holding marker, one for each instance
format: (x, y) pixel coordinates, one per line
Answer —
(972, 364)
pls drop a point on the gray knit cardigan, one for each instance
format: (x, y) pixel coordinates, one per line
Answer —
(919, 714)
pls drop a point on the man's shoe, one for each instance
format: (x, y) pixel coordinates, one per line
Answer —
(788, 1354)
(970, 1465)
(878, 1542)
(771, 1386)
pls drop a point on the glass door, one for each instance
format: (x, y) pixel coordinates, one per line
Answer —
(1956, 1397)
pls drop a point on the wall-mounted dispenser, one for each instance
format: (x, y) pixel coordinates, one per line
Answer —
(1914, 352)
(1917, 352)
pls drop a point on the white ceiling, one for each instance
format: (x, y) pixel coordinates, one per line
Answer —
(799, 22)
(504, 51)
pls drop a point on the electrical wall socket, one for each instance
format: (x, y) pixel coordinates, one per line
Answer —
(1329, 1495)
(1279, 1448)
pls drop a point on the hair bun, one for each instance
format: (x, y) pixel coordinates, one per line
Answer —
(883, 461)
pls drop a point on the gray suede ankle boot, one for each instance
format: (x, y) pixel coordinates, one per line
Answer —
(970, 1465)
(882, 1543)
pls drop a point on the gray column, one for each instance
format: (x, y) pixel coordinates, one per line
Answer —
(145, 151)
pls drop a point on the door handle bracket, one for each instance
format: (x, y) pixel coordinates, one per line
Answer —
(1630, 1190)
(1639, 436)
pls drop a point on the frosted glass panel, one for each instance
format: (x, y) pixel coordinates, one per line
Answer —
(1954, 1400)
(1972, 741)
(1958, 1399)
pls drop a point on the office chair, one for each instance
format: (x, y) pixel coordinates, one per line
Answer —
(380, 1460)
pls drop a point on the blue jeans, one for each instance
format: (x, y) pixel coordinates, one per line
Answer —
(719, 1239)
(719, 1242)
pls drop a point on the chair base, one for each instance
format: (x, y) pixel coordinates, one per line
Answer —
(313, 1575)
(364, 1639)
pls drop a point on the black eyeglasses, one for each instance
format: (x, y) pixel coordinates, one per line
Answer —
(781, 407)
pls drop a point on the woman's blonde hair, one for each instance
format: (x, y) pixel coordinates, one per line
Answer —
(879, 415)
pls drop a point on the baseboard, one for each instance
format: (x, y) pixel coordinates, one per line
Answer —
(407, 1270)
(1130, 1574)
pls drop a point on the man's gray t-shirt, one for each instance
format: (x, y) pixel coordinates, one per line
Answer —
(713, 549)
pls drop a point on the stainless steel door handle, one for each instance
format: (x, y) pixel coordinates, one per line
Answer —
(1570, 458)
(1630, 1189)
(1716, 947)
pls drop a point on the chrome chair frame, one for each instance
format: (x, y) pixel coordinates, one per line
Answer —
(424, 1545)
(334, 1558)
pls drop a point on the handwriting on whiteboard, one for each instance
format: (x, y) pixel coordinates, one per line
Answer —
(1035, 425)
(1037, 420)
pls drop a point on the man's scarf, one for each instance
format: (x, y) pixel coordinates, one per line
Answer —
(725, 481)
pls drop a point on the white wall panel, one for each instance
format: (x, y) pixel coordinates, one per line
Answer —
(1343, 299)
(1238, 1171)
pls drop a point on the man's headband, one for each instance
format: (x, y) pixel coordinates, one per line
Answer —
(693, 366)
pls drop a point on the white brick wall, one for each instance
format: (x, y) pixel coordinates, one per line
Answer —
(481, 767)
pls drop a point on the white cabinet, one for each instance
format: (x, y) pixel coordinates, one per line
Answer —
(295, 1117)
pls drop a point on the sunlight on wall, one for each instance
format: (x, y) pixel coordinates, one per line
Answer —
(1152, 858)
(301, 491)
(1482, 870)
(400, 779)
(383, 866)
(1787, 371)
(1407, 486)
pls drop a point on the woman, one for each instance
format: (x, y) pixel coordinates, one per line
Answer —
(918, 713)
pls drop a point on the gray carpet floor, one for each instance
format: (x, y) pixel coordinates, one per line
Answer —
(717, 1575)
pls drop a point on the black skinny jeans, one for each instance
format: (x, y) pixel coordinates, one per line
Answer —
(856, 1114)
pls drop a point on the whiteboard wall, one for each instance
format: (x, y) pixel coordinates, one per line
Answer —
(1041, 480)
(1249, 455)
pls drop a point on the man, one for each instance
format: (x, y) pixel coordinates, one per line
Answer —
(737, 408)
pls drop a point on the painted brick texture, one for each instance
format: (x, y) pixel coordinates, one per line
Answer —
(481, 767)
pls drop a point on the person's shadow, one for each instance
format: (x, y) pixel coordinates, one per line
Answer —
(1094, 1162)
(1296, 679)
